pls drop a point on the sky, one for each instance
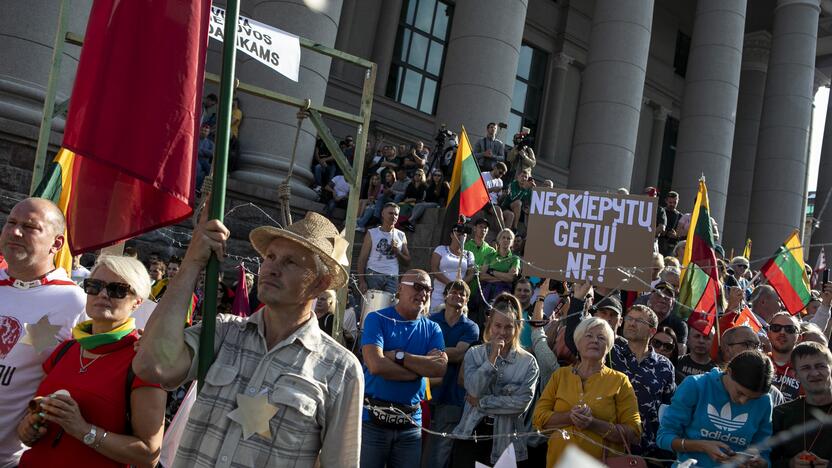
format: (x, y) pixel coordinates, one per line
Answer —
(818, 120)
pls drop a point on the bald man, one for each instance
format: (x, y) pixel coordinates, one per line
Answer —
(36, 299)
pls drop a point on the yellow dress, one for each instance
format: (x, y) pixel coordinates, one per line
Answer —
(608, 394)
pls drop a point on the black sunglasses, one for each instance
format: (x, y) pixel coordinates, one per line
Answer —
(419, 287)
(777, 328)
(93, 287)
(665, 345)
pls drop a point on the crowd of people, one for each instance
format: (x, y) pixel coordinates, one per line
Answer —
(469, 358)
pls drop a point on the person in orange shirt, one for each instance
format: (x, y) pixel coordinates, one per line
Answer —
(593, 403)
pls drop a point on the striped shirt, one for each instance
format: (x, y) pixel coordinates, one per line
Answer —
(314, 382)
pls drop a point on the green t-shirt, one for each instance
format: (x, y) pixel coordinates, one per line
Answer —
(503, 264)
(480, 254)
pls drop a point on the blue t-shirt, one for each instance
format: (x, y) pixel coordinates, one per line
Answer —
(466, 331)
(701, 409)
(390, 331)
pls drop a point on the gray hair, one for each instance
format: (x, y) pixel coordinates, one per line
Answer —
(129, 269)
(591, 323)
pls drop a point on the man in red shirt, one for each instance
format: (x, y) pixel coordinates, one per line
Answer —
(783, 330)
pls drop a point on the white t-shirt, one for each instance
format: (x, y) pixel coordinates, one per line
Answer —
(340, 186)
(490, 183)
(448, 265)
(62, 302)
(382, 259)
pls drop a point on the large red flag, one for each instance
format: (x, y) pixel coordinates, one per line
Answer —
(134, 118)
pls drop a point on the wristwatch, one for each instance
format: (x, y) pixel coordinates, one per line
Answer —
(89, 437)
(400, 358)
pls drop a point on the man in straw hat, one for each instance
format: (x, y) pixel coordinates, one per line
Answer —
(280, 391)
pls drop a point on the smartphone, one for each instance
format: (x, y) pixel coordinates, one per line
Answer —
(825, 276)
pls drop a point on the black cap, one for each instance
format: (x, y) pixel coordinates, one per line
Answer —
(666, 288)
(608, 303)
(483, 221)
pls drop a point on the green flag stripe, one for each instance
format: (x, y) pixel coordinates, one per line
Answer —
(703, 227)
(470, 174)
(696, 280)
(793, 273)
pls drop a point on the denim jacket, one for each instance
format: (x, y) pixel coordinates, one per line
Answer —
(505, 391)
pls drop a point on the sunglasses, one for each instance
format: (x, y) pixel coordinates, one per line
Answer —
(776, 328)
(663, 345)
(93, 287)
(419, 287)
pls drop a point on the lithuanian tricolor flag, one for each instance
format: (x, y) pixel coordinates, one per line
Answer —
(56, 186)
(786, 273)
(467, 187)
(700, 289)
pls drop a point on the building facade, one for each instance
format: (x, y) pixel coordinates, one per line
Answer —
(616, 93)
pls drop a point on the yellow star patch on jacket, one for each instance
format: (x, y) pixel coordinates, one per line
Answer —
(254, 414)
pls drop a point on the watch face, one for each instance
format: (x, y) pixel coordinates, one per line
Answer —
(89, 438)
(400, 355)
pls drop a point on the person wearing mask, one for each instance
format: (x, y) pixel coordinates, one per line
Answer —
(714, 416)
(107, 416)
(500, 381)
(812, 363)
(589, 399)
(448, 396)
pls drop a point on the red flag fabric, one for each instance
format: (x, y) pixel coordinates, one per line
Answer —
(134, 118)
(240, 307)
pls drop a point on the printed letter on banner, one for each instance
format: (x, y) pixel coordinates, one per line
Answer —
(272, 47)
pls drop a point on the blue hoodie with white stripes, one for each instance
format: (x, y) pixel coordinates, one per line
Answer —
(701, 409)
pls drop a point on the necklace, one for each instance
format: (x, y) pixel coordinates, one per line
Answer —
(84, 367)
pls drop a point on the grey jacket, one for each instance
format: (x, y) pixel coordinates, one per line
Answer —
(505, 392)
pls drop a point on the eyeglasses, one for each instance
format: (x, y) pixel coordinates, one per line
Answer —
(93, 287)
(664, 345)
(637, 320)
(419, 287)
(777, 328)
(746, 344)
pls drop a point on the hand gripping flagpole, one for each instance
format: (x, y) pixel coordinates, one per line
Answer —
(209, 308)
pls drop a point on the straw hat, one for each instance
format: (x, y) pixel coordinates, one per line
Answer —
(314, 232)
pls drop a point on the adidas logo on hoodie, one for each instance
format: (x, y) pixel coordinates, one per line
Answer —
(724, 421)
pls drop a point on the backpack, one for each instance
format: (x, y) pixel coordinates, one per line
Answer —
(128, 384)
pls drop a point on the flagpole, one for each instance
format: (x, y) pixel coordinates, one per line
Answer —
(217, 208)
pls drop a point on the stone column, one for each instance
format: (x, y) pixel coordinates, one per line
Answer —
(554, 106)
(610, 104)
(749, 108)
(777, 193)
(709, 106)
(268, 129)
(823, 195)
(660, 114)
(385, 41)
(26, 49)
(481, 64)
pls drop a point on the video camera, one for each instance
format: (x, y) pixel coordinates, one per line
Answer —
(443, 136)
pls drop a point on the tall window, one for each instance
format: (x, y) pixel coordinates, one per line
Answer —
(528, 90)
(419, 54)
(680, 58)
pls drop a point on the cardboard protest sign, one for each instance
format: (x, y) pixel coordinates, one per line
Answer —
(577, 236)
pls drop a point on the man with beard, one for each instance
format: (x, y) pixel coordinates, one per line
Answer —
(783, 331)
(811, 362)
(400, 346)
